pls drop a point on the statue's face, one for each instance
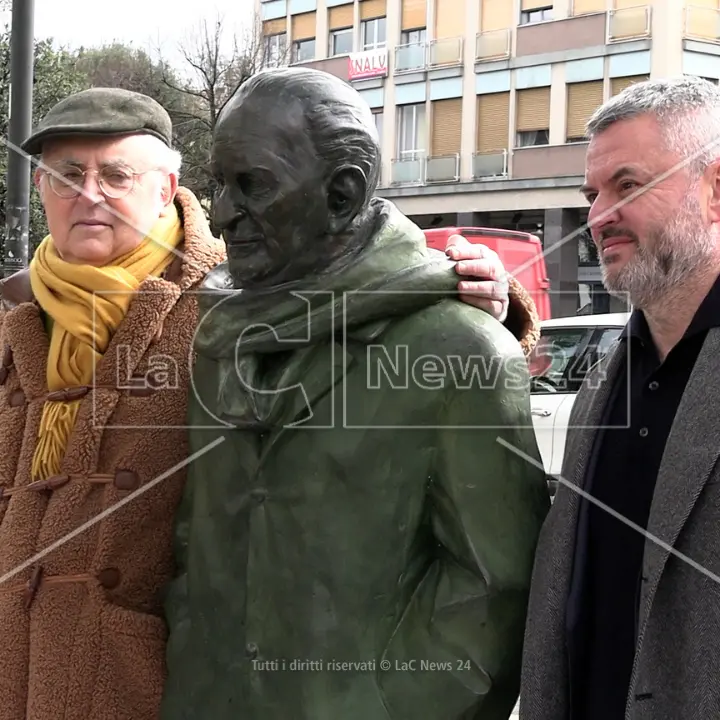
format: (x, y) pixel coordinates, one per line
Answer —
(271, 206)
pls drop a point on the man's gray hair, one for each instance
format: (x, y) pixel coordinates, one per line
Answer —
(686, 108)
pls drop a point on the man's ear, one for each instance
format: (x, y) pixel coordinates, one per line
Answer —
(170, 189)
(37, 180)
(346, 196)
(712, 196)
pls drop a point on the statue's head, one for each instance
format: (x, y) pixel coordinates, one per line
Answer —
(297, 160)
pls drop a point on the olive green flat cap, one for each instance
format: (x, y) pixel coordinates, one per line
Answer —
(102, 112)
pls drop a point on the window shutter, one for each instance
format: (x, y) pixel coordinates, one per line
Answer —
(340, 17)
(446, 127)
(581, 7)
(493, 122)
(624, 4)
(370, 9)
(450, 18)
(303, 26)
(619, 84)
(414, 14)
(535, 4)
(275, 27)
(533, 109)
(496, 15)
(702, 18)
(582, 101)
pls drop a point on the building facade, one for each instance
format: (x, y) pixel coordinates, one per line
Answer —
(480, 104)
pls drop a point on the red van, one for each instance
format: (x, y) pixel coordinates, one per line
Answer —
(520, 253)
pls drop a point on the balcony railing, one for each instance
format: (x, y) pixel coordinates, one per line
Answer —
(628, 23)
(445, 52)
(442, 168)
(487, 165)
(412, 57)
(702, 23)
(493, 45)
(415, 168)
(408, 170)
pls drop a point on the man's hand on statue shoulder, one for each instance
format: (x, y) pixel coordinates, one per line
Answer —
(486, 286)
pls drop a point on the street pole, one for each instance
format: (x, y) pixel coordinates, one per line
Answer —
(17, 200)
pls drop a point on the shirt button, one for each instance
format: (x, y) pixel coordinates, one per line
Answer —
(643, 432)
(654, 385)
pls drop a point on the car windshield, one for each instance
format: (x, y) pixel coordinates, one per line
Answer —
(554, 351)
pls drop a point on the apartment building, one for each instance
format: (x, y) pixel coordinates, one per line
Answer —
(481, 104)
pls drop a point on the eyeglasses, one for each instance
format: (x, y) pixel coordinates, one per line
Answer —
(114, 182)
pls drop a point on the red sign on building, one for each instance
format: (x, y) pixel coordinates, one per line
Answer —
(368, 64)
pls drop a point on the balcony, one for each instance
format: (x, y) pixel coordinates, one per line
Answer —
(628, 24)
(702, 23)
(493, 45)
(410, 58)
(544, 161)
(408, 170)
(490, 165)
(442, 169)
(561, 36)
(416, 169)
(338, 66)
(446, 52)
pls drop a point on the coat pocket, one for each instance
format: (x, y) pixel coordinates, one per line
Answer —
(131, 668)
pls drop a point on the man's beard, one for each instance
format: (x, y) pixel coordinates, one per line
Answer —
(672, 255)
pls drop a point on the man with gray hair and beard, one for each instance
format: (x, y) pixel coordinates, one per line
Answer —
(624, 618)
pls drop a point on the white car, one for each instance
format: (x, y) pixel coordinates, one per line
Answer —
(566, 350)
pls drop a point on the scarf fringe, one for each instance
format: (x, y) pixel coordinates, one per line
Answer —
(56, 424)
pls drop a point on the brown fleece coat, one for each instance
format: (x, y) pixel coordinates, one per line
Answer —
(82, 572)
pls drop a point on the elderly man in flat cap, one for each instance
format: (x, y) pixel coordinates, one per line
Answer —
(95, 338)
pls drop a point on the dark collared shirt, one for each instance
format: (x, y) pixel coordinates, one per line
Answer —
(641, 413)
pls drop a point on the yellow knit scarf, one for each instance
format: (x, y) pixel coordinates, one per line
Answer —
(86, 305)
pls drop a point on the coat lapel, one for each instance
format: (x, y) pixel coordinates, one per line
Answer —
(691, 452)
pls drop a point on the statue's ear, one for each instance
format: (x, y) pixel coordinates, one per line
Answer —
(345, 197)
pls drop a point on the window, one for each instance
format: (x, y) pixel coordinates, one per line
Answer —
(603, 343)
(413, 37)
(304, 50)
(536, 15)
(412, 132)
(532, 117)
(528, 138)
(275, 49)
(557, 362)
(587, 250)
(593, 299)
(379, 124)
(373, 34)
(583, 98)
(341, 42)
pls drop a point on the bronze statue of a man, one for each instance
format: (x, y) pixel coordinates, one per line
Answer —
(358, 545)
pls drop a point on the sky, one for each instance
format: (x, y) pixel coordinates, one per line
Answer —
(144, 23)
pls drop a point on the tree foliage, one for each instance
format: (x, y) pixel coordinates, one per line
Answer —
(55, 77)
(213, 62)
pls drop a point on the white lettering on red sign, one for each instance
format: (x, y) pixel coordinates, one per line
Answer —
(372, 63)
